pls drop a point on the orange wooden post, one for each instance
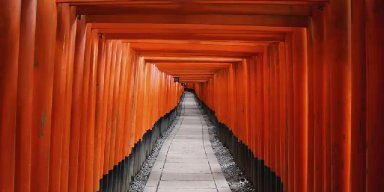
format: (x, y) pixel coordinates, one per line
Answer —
(99, 112)
(111, 76)
(124, 99)
(9, 57)
(90, 143)
(327, 119)
(114, 107)
(25, 97)
(252, 106)
(84, 123)
(106, 100)
(265, 118)
(283, 114)
(270, 108)
(375, 94)
(245, 130)
(129, 113)
(319, 84)
(70, 45)
(76, 113)
(310, 110)
(279, 110)
(338, 57)
(63, 65)
(276, 107)
(85, 110)
(107, 152)
(259, 116)
(300, 108)
(146, 97)
(58, 101)
(70, 13)
(43, 91)
(133, 101)
(276, 110)
(358, 111)
(119, 155)
(289, 123)
(139, 100)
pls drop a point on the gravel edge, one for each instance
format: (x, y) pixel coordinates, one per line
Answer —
(141, 178)
(235, 177)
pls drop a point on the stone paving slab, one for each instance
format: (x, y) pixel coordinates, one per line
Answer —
(187, 184)
(186, 161)
(187, 190)
(186, 177)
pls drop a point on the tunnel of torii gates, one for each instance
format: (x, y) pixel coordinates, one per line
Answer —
(299, 83)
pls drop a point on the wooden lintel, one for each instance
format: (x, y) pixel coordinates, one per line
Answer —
(211, 19)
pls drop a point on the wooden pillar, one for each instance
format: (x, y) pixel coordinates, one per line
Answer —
(63, 66)
(289, 123)
(66, 139)
(119, 155)
(311, 112)
(245, 97)
(43, 92)
(133, 100)
(260, 116)
(9, 57)
(85, 104)
(25, 96)
(266, 121)
(106, 96)
(116, 104)
(90, 143)
(252, 107)
(338, 57)
(277, 108)
(108, 125)
(283, 114)
(271, 107)
(300, 108)
(77, 105)
(358, 113)
(320, 104)
(99, 112)
(375, 94)
(128, 113)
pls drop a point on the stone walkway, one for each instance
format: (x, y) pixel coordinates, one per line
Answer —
(186, 161)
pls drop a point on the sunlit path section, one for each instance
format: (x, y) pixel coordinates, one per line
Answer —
(186, 161)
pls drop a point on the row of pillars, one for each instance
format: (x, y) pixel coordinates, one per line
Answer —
(72, 104)
(312, 106)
